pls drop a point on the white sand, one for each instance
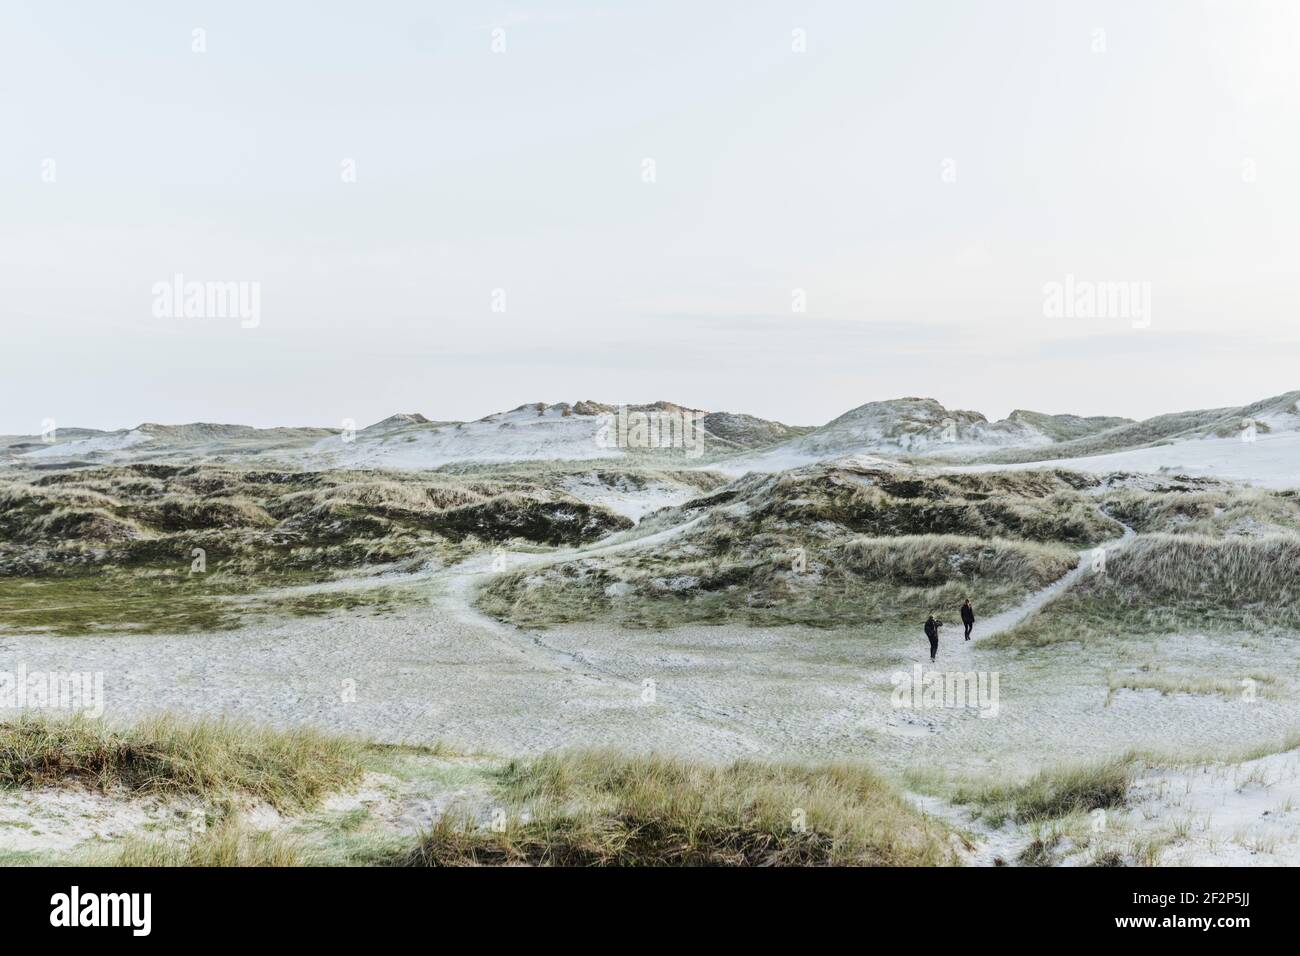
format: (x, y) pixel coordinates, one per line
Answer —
(443, 671)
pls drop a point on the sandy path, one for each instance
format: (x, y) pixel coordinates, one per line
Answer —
(951, 637)
(458, 600)
(440, 670)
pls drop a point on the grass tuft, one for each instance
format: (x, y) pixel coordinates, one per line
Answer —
(599, 808)
(229, 843)
(1164, 584)
(288, 769)
(1053, 793)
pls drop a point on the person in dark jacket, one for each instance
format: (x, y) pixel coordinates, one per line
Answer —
(967, 617)
(932, 632)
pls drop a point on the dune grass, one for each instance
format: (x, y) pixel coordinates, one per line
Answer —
(289, 769)
(852, 582)
(601, 808)
(266, 520)
(1215, 512)
(1166, 684)
(1040, 505)
(151, 601)
(113, 549)
(1217, 756)
(124, 602)
(934, 560)
(1196, 569)
(827, 546)
(1053, 793)
(1164, 583)
(229, 843)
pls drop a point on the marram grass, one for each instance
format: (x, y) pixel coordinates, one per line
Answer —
(601, 808)
(289, 769)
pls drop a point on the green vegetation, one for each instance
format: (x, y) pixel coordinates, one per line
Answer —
(228, 843)
(1165, 683)
(1287, 742)
(597, 808)
(861, 582)
(114, 601)
(254, 521)
(168, 755)
(123, 601)
(928, 561)
(604, 809)
(1039, 851)
(1035, 505)
(1214, 512)
(156, 548)
(1163, 584)
(614, 473)
(1053, 794)
(825, 547)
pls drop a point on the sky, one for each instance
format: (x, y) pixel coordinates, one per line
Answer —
(780, 208)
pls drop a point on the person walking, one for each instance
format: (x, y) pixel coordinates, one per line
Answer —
(932, 632)
(967, 616)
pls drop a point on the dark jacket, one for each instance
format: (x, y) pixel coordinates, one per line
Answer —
(931, 628)
(967, 614)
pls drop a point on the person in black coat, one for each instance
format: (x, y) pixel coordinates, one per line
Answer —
(932, 632)
(967, 617)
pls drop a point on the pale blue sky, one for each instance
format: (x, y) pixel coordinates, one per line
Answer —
(522, 170)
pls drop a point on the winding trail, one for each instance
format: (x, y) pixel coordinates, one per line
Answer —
(1002, 846)
(987, 846)
(440, 670)
(443, 670)
(1006, 620)
(461, 584)
(463, 580)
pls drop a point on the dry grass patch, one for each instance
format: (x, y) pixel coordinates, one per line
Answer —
(1164, 583)
(1054, 793)
(599, 808)
(288, 769)
(842, 583)
(229, 843)
(1260, 683)
(1217, 512)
